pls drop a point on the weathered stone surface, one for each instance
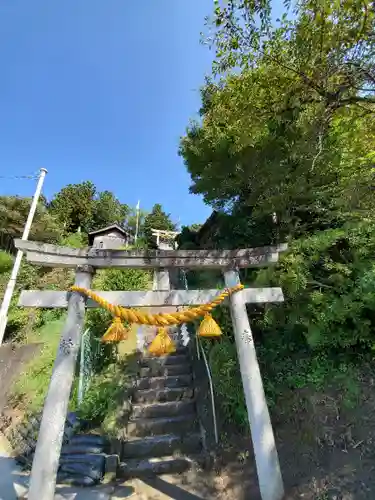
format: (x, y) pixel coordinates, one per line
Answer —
(165, 371)
(154, 395)
(179, 425)
(164, 382)
(170, 408)
(150, 466)
(157, 446)
(175, 359)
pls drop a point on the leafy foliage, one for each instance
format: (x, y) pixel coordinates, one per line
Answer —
(6, 262)
(226, 373)
(327, 46)
(74, 206)
(328, 283)
(284, 151)
(81, 207)
(292, 134)
(108, 210)
(14, 211)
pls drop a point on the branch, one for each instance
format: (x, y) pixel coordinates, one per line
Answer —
(357, 98)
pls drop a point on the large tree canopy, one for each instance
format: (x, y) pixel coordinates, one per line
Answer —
(294, 132)
(80, 206)
(74, 206)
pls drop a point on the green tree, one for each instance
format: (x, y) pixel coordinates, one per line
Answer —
(157, 219)
(74, 206)
(282, 136)
(325, 49)
(107, 209)
(14, 211)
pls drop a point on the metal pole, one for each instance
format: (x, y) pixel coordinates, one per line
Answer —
(136, 222)
(17, 263)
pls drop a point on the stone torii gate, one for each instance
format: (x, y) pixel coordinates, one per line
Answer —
(85, 262)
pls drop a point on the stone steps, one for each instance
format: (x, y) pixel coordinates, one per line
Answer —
(172, 359)
(163, 395)
(179, 425)
(158, 446)
(162, 430)
(165, 370)
(168, 409)
(154, 466)
(164, 382)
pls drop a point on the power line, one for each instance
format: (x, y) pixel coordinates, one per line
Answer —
(12, 177)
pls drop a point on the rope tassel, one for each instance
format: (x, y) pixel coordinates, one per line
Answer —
(162, 344)
(116, 332)
(209, 327)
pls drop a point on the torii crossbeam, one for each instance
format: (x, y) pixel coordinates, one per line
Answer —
(85, 261)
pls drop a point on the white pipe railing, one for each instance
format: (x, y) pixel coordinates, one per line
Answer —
(211, 389)
(200, 350)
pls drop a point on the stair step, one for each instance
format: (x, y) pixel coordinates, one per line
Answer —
(162, 395)
(164, 360)
(158, 446)
(165, 370)
(168, 409)
(156, 465)
(143, 427)
(164, 382)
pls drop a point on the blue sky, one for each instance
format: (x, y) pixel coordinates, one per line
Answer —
(102, 90)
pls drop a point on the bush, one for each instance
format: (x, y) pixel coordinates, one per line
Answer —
(329, 285)
(105, 401)
(75, 240)
(6, 262)
(227, 383)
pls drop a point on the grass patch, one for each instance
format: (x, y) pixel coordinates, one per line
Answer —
(31, 386)
(106, 402)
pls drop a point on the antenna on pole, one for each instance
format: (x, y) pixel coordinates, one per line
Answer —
(136, 222)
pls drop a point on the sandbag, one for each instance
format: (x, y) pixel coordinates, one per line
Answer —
(69, 449)
(84, 470)
(87, 439)
(97, 460)
(74, 479)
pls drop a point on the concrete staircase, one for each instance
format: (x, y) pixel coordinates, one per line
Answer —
(162, 434)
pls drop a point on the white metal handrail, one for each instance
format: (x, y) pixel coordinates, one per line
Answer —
(200, 350)
(211, 387)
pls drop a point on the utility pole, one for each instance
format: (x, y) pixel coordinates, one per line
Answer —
(136, 222)
(17, 263)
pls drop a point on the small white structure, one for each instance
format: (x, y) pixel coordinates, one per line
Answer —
(110, 238)
(170, 236)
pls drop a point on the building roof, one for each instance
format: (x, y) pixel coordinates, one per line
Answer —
(107, 229)
(208, 225)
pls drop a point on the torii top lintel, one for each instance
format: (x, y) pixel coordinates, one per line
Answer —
(48, 255)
